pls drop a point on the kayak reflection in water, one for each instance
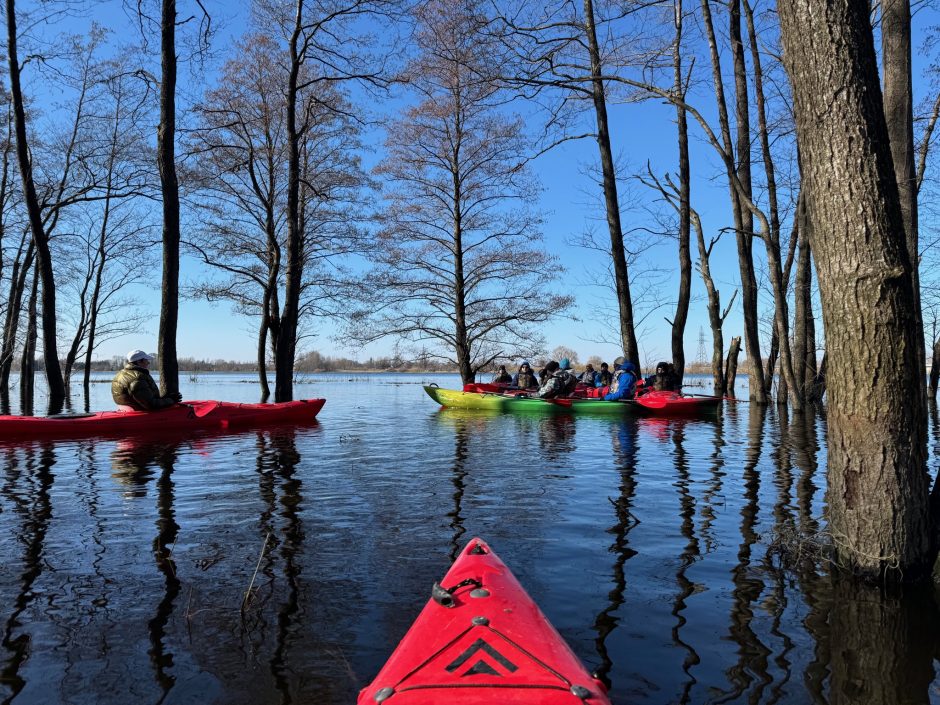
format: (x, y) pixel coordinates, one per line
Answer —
(133, 386)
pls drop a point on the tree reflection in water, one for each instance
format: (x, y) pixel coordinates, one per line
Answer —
(458, 477)
(133, 464)
(624, 442)
(282, 532)
(748, 583)
(690, 554)
(27, 485)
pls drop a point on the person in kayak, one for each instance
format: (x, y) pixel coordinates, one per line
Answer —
(571, 380)
(134, 387)
(525, 377)
(604, 378)
(623, 385)
(665, 379)
(501, 376)
(557, 381)
(589, 376)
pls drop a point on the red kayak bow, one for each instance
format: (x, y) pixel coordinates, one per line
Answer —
(481, 640)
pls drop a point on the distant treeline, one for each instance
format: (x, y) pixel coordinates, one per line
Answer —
(312, 361)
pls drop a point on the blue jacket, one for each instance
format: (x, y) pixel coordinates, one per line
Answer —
(624, 383)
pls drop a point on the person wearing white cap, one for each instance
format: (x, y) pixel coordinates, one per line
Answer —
(134, 387)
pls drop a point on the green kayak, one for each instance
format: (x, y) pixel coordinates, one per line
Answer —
(454, 399)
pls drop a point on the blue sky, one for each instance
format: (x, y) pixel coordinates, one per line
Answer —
(571, 203)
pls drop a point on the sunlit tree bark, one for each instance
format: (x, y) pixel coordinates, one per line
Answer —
(878, 484)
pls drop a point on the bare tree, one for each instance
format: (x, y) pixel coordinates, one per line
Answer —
(563, 351)
(169, 186)
(167, 21)
(242, 153)
(879, 510)
(326, 45)
(458, 267)
(673, 195)
(54, 379)
(105, 243)
(739, 178)
(684, 192)
(570, 51)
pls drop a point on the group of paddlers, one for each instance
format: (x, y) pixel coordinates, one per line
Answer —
(559, 379)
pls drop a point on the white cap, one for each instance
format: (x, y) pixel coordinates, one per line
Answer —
(137, 355)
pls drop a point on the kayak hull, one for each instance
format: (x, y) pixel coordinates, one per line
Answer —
(455, 399)
(677, 404)
(188, 416)
(493, 645)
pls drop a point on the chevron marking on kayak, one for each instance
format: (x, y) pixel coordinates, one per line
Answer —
(481, 667)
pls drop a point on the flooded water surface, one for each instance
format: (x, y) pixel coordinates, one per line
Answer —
(664, 551)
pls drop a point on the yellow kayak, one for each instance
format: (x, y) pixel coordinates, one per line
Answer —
(455, 399)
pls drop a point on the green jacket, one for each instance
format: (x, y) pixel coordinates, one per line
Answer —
(134, 387)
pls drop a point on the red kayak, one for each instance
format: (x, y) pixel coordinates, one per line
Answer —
(678, 404)
(190, 415)
(481, 640)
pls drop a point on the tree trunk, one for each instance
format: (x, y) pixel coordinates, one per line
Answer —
(685, 221)
(28, 359)
(287, 334)
(611, 200)
(878, 483)
(771, 362)
(935, 370)
(731, 366)
(11, 326)
(715, 318)
(41, 240)
(95, 297)
(743, 221)
(803, 317)
(770, 230)
(813, 375)
(899, 115)
(263, 349)
(166, 162)
(819, 381)
(71, 354)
